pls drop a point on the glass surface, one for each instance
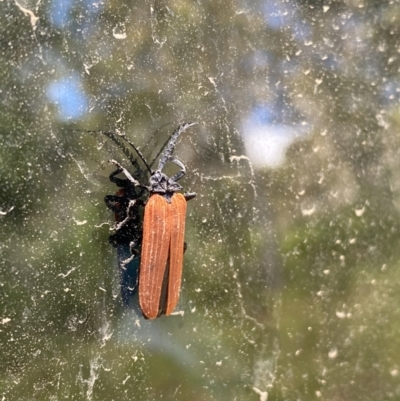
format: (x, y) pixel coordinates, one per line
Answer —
(291, 281)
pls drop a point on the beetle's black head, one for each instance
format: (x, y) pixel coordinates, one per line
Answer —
(160, 183)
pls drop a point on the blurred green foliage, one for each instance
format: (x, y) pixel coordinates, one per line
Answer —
(291, 274)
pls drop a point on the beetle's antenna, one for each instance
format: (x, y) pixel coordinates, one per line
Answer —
(123, 136)
(155, 133)
(172, 143)
(162, 147)
(115, 137)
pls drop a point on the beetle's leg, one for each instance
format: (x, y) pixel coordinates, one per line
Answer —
(119, 182)
(126, 173)
(128, 215)
(114, 202)
(133, 247)
(180, 173)
(189, 195)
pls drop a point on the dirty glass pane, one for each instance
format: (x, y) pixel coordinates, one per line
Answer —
(291, 282)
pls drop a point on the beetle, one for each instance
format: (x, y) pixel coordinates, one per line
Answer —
(151, 239)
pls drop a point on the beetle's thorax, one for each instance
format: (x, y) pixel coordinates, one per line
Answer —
(161, 184)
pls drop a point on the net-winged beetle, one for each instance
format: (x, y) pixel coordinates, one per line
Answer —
(150, 247)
